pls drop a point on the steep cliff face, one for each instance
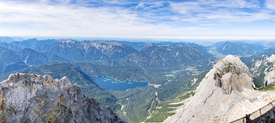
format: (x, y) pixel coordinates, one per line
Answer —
(225, 94)
(262, 68)
(34, 98)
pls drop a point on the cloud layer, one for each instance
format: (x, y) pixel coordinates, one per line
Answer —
(134, 18)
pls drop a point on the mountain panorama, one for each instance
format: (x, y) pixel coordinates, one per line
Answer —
(119, 81)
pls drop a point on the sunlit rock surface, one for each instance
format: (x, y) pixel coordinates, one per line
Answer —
(34, 98)
(224, 95)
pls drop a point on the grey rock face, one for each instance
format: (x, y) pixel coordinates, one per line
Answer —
(224, 95)
(34, 98)
(231, 74)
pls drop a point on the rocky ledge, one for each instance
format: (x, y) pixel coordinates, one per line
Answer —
(34, 98)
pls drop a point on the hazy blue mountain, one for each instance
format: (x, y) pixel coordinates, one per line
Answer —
(167, 55)
(149, 46)
(6, 39)
(120, 73)
(9, 61)
(55, 58)
(25, 44)
(87, 50)
(115, 53)
(33, 43)
(73, 51)
(269, 51)
(33, 58)
(10, 46)
(113, 50)
(76, 51)
(238, 48)
(135, 45)
(271, 44)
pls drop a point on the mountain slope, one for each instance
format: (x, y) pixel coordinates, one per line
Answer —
(10, 46)
(269, 51)
(225, 94)
(9, 61)
(33, 58)
(167, 56)
(32, 98)
(33, 43)
(113, 50)
(119, 73)
(262, 67)
(238, 48)
(6, 39)
(88, 50)
(135, 45)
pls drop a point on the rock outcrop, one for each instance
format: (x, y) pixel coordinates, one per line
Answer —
(34, 98)
(224, 95)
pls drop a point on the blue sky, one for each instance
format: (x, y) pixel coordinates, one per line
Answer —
(187, 19)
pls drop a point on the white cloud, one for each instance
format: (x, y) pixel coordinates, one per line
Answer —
(43, 18)
(270, 4)
(60, 20)
(207, 12)
(231, 3)
(187, 7)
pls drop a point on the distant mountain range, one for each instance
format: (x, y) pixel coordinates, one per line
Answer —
(8, 39)
(154, 55)
(237, 48)
(9, 61)
(33, 52)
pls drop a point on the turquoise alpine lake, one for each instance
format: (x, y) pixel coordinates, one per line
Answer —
(112, 84)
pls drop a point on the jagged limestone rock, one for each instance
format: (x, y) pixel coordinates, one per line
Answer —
(224, 95)
(232, 74)
(270, 71)
(263, 68)
(34, 98)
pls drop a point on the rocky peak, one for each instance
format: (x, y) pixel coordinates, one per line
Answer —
(231, 64)
(224, 95)
(231, 74)
(34, 98)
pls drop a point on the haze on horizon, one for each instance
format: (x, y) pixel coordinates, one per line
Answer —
(189, 19)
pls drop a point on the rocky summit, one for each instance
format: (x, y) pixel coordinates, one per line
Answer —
(224, 95)
(35, 98)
